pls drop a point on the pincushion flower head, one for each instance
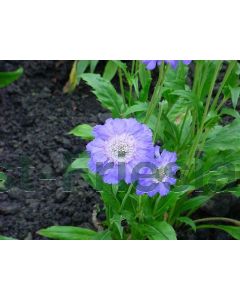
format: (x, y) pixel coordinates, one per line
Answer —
(119, 145)
(151, 64)
(159, 175)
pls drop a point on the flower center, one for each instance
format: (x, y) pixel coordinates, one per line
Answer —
(160, 174)
(121, 148)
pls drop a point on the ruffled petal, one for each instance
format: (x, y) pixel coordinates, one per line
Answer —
(151, 64)
(112, 175)
(168, 157)
(163, 188)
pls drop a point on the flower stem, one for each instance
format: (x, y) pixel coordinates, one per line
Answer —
(121, 87)
(228, 220)
(126, 196)
(158, 122)
(156, 204)
(130, 84)
(199, 133)
(224, 100)
(157, 92)
(196, 77)
(227, 74)
(140, 209)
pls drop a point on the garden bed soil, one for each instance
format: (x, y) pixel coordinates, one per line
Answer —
(36, 149)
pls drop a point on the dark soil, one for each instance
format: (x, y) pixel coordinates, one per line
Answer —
(36, 149)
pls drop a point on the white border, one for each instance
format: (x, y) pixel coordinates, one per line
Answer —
(107, 29)
(108, 270)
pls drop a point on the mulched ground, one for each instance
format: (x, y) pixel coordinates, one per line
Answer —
(36, 149)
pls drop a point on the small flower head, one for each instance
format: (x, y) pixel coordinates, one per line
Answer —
(158, 177)
(151, 64)
(119, 145)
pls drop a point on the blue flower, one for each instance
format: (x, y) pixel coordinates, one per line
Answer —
(151, 64)
(119, 146)
(157, 177)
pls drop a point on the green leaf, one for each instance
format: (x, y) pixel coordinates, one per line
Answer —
(110, 200)
(235, 92)
(187, 96)
(84, 131)
(3, 177)
(105, 93)
(136, 108)
(172, 198)
(2, 237)
(224, 138)
(194, 203)
(116, 220)
(232, 82)
(68, 233)
(110, 70)
(188, 221)
(121, 65)
(234, 231)
(178, 110)
(176, 79)
(78, 68)
(214, 171)
(207, 69)
(81, 68)
(136, 86)
(160, 231)
(230, 112)
(235, 191)
(144, 75)
(7, 78)
(103, 235)
(79, 163)
(93, 65)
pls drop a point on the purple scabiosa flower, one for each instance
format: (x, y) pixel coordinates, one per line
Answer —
(119, 145)
(151, 64)
(158, 175)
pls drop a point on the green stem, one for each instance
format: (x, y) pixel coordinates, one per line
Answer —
(199, 133)
(156, 204)
(182, 126)
(121, 87)
(133, 67)
(157, 92)
(227, 74)
(130, 85)
(140, 210)
(224, 100)
(158, 122)
(203, 141)
(171, 213)
(205, 71)
(196, 76)
(126, 196)
(221, 219)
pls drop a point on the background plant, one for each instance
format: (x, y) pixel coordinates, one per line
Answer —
(2, 180)
(7, 78)
(185, 117)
